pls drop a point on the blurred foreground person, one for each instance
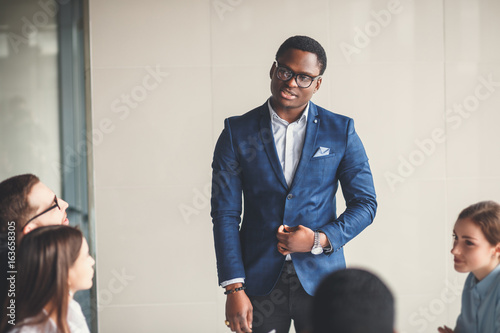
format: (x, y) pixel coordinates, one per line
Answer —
(353, 301)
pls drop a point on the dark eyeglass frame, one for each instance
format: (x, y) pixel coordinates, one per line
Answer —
(294, 75)
(45, 211)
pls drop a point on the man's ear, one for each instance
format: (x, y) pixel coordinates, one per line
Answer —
(271, 71)
(318, 84)
(28, 228)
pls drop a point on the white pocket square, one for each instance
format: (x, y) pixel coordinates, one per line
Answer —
(322, 151)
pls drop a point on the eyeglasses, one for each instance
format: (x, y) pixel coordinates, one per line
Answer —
(56, 205)
(302, 80)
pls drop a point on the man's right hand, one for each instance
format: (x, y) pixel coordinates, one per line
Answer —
(239, 310)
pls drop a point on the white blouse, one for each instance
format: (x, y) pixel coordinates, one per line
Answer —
(76, 322)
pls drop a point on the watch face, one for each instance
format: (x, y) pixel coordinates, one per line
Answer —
(317, 250)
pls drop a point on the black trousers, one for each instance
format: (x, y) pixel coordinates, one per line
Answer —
(288, 300)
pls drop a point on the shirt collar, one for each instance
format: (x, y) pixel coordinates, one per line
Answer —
(273, 113)
(484, 285)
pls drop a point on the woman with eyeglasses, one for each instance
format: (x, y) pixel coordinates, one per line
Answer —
(53, 263)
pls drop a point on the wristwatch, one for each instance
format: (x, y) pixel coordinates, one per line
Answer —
(317, 248)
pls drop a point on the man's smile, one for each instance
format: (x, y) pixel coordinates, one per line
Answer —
(287, 94)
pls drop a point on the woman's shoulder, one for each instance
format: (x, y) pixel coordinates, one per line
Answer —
(47, 327)
(495, 281)
(35, 324)
(496, 285)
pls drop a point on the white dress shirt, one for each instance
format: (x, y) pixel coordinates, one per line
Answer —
(289, 140)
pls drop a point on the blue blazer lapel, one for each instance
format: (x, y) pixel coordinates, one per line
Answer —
(269, 145)
(313, 122)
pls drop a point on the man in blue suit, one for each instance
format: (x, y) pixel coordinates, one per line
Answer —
(284, 160)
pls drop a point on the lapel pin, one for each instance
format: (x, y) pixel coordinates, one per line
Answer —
(315, 121)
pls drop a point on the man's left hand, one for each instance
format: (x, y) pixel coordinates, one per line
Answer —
(294, 239)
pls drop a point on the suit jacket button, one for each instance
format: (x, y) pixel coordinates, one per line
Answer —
(289, 196)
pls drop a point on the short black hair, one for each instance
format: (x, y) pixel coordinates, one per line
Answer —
(307, 44)
(353, 300)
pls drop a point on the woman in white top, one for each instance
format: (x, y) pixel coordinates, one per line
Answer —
(52, 263)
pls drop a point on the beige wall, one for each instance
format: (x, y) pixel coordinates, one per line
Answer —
(403, 82)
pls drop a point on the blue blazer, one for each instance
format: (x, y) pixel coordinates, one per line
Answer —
(246, 162)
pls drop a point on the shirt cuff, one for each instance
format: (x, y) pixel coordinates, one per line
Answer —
(327, 249)
(228, 282)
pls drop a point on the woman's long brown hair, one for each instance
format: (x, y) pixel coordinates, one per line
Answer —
(44, 258)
